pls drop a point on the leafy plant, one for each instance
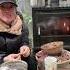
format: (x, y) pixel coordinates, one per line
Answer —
(27, 18)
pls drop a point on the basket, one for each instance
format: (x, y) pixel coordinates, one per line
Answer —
(65, 65)
(17, 65)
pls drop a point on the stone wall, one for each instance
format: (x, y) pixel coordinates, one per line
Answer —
(24, 6)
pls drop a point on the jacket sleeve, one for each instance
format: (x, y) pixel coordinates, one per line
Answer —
(25, 35)
(25, 32)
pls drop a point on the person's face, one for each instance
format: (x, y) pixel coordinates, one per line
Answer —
(7, 12)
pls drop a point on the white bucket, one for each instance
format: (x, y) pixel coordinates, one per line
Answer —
(50, 63)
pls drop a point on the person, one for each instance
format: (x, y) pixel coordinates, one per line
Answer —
(14, 42)
(40, 56)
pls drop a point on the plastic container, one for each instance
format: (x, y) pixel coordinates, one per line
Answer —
(50, 63)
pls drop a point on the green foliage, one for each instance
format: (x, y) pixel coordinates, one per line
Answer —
(27, 18)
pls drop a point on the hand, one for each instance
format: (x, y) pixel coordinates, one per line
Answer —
(12, 57)
(24, 51)
(40, 56)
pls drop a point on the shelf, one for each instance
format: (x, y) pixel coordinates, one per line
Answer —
(45, 9)
(52, 36)
(51, 10)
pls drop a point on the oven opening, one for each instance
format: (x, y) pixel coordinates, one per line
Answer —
(54, 26)
(51, 26)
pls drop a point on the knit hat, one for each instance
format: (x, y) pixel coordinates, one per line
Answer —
(11, 1)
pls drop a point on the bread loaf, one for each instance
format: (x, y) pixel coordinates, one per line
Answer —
(53, 48)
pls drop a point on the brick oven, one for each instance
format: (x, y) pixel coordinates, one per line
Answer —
(51, 24)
